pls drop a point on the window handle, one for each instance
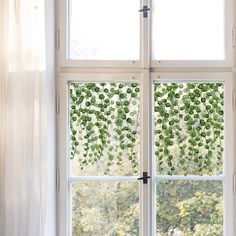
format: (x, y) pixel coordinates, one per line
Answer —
(144, 178)
(145, 11)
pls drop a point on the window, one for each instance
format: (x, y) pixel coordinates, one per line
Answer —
(106, 35)
(189, 30)
(145, 118)
(190, 150)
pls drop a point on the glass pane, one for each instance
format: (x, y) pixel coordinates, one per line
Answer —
(190, 208)
(105, 129)
(104, 29)
(101, 208)
(189, 30)
(189, 128)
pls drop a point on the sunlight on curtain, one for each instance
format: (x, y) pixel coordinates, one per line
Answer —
(26, 119)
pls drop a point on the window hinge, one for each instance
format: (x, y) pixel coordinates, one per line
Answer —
(58, 103)
(234, 183)
(234, 37)
(58, 180)
(145, 11)
(234, 99)
(58, 39)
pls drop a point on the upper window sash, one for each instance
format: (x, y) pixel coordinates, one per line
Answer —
(140, 46)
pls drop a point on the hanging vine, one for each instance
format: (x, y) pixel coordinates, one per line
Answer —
(104, 122)
(189, 121)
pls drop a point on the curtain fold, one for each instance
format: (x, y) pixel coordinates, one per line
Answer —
(26, 121)
(3, 81)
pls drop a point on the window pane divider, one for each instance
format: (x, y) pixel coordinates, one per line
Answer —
(103, 178)
(135, 178)
(189, 177)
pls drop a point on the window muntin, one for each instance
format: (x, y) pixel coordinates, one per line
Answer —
(104, 30)
(189, 30)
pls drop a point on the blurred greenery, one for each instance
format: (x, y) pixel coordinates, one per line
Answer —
(101, 208)
(105, 141)
(188, 208)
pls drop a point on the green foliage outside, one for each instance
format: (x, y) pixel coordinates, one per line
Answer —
(101, 208)
(105, 141)
(189, 207)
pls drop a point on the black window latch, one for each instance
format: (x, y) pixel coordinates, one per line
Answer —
(145, 11)
(145, 177)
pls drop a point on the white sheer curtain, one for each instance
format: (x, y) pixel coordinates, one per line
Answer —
(27, 136)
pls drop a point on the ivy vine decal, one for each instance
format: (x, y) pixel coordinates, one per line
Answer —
(104, 124)
(189, 126)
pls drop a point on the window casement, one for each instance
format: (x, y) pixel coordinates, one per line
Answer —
(114, 34)
(146, 105)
